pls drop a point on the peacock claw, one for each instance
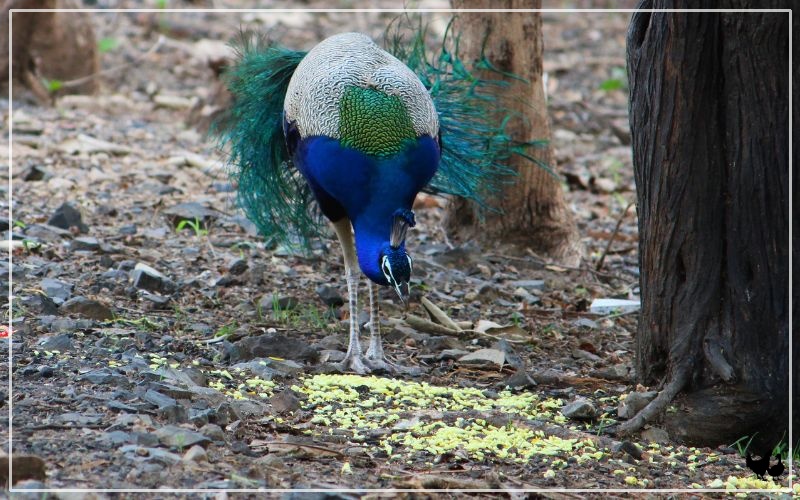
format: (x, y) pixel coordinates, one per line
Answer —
(363, 365)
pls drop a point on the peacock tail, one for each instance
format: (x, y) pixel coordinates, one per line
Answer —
(475, 147)
(270, 191)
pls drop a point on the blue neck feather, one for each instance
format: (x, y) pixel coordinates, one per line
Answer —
(366, 189)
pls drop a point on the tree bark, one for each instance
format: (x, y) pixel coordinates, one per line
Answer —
(53, 45)
(709, 120)
(533, 211)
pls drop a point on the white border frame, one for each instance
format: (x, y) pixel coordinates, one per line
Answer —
(376, 490)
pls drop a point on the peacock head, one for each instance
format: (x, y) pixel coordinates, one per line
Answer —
(395, 262)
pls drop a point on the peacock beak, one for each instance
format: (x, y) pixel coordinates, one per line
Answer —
(402, 292)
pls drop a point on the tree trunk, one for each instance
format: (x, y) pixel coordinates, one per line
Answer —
(533, 210)
(709, 120)
(52, 45)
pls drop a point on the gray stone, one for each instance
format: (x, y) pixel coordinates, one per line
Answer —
(634, 402)
(330, 296)
(528, 284)
(191, 211)
(173, 414)
(86, 243)
(656, 435)
(117, 437)
(158, 399)
(145, 277)
(285, 401)
(195, 454)
(128, 229)
(580, 409)
(237, 267)
(88, 308)
(178, 437)
(615, 372)
(163, 456)
(60, 343)
(57, 290)
(67, 216)
(213, 432)
(118, 406)
(102, 376)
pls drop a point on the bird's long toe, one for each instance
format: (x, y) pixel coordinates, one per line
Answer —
(363, 365)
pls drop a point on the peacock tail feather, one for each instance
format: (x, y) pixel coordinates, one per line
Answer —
(475, 146)
(270, 191)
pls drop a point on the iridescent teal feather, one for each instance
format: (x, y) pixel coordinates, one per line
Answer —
(476, 148)
(270, 191)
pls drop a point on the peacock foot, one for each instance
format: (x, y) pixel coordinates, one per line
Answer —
(364, 364)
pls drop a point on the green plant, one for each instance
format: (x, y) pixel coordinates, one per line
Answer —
(740, 448)
(107, 44)
(196, 225)
(52, 85)
(227, 329)
(618, 80)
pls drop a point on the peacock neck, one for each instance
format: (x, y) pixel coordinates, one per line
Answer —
(371, 239)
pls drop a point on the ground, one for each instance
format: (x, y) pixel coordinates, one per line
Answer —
(214, 369)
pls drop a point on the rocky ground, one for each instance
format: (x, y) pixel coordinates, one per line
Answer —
(157, 344)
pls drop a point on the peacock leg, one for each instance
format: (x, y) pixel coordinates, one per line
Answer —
(375, 351)
(375, 358)
(354, 359)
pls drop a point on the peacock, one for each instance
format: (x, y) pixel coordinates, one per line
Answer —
(351, 132)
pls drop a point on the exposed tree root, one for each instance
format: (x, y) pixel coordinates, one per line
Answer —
(658, 405)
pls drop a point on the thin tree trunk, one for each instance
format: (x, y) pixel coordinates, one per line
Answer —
(709, 120)
(534, 211)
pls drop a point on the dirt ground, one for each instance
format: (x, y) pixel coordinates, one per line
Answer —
(211, 368)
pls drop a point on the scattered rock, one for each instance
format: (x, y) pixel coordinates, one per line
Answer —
(195, 454)
(271, 302)
(272, 345)
(485, 357)
(85, 243)
(67, 216)
(145, 277)
(634, 402)
(630, 449)
(103, 376)
(191, 211)
(88, 308)
(178, 437)
(528, 284)
(158, 399)
(85, 144)
(615, 372)
(608, 306)
(213, 432)
(285, 401)
(580, 409)
(60, 343)
(56, 290)
(237, 267)
(174, 414)
(656, 435)
(330, 296)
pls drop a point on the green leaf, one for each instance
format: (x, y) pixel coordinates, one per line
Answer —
(612, 84)
(53, 85)
(107, 44)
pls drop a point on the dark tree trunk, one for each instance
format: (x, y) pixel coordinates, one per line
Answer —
(534, 212)
(709, 117)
